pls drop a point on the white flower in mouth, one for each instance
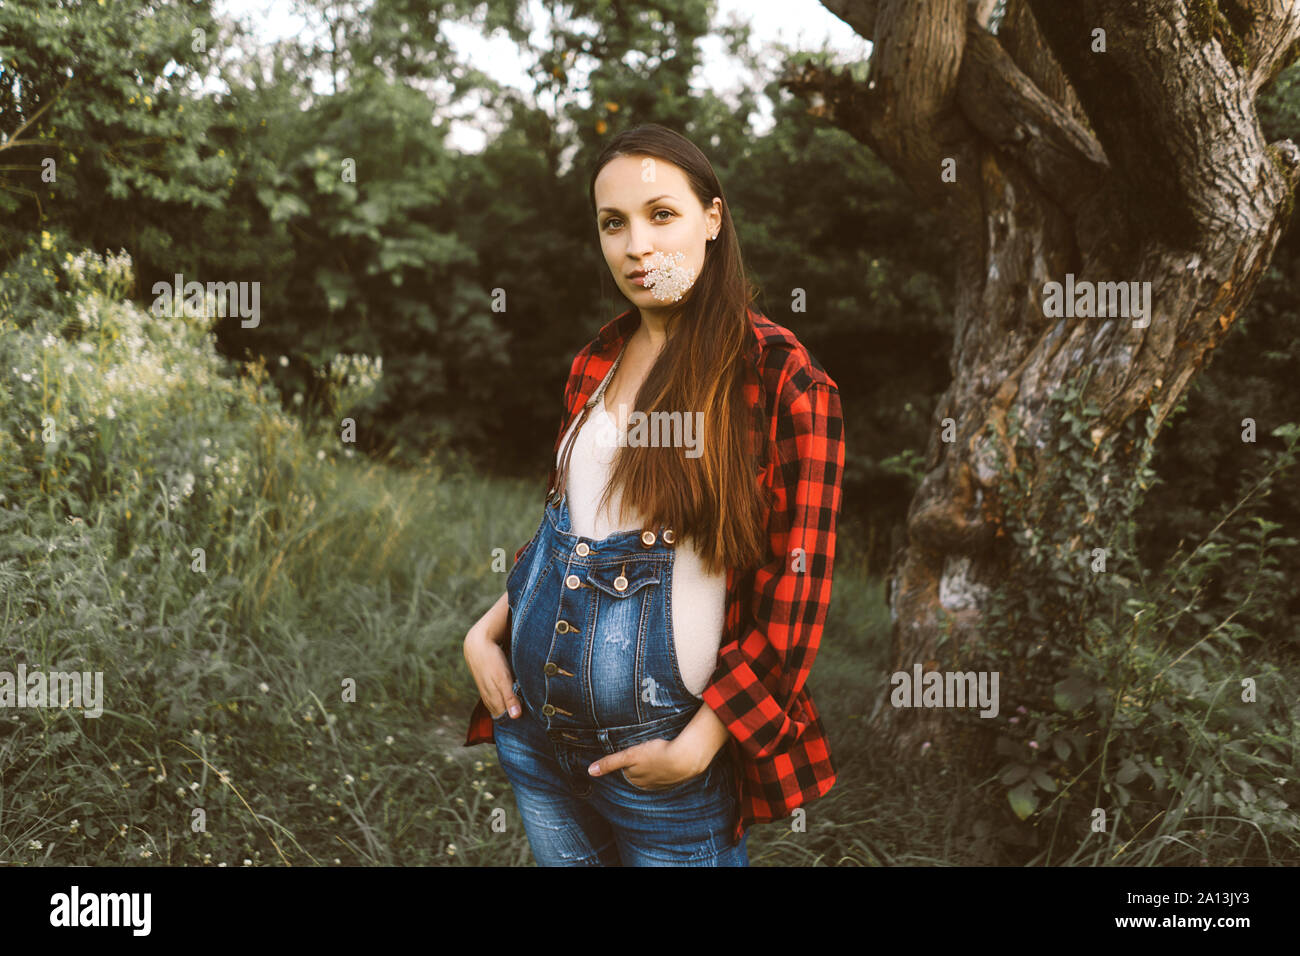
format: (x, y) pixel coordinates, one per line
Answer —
(666, 277)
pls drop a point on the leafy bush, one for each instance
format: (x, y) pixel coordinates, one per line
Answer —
(1147, 723)
(124, 449)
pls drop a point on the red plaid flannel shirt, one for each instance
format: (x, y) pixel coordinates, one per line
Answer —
(774, 615)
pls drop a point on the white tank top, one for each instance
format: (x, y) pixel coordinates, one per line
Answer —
(698, 598)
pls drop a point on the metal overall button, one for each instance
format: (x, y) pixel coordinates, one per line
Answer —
(668, 536)
(573, 582)
(648, 538)
(623, 580)
(583, 548)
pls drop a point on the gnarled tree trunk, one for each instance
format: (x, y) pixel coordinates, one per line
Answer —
(1140, 161)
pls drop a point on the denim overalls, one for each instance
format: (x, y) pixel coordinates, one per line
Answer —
(591, 647)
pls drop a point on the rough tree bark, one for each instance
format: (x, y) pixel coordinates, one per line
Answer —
(1142, 163)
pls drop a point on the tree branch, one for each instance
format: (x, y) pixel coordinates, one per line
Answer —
(1014, 115)
(859, 14)
(1024, 43)
(1172, 113)
(11, 142)
(911, 125)
(915, 60)
(1269, 33)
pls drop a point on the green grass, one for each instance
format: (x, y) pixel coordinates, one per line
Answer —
(376, 582)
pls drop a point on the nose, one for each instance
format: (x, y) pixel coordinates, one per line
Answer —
(638, 243)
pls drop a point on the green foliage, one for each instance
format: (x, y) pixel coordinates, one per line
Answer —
(97, 96)
(1128, 690)
(476, 276)
(221, 669)
(375, 263)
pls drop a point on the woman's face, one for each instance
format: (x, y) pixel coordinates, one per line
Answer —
(650, 222)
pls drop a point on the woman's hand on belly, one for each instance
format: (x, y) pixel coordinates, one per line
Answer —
(664, 763)
(669, 762)
(654, 764)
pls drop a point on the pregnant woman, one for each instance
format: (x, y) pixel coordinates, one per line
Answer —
(644, 674)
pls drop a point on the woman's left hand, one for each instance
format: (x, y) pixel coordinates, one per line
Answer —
(656, 764)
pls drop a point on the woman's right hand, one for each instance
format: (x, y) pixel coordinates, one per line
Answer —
(491, 670)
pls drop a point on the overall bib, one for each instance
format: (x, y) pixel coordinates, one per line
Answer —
(591, 648)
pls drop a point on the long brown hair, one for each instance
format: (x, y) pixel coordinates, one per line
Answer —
(715, 499)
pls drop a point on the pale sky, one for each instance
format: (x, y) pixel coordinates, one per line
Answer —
(805, 24)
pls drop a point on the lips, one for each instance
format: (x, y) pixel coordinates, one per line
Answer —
(637, 274)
